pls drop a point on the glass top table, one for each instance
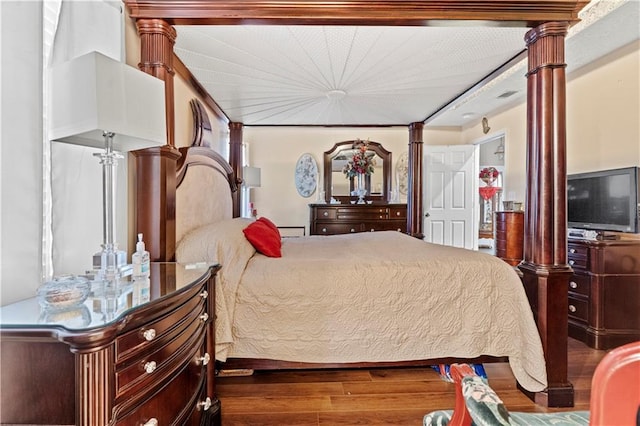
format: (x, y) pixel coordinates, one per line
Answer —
(106, 304)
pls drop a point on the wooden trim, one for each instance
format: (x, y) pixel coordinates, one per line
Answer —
(182, 70)
(415, 209)
(355, 12)
(235, 159)
(156, 58)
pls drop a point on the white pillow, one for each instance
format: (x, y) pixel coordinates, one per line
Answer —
(221, 242)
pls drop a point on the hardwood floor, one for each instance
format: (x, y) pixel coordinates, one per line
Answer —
(400, 396)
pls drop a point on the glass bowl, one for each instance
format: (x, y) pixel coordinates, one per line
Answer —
(63, 292)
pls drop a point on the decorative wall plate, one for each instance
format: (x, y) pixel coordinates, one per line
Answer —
(306, 175)
(402, 173)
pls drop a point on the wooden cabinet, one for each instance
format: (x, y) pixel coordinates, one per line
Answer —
(115, 360)
(331, 219)
(604, 292)
(509, 236)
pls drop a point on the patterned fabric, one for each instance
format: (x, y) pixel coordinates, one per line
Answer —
(487, 409)
(437, 418)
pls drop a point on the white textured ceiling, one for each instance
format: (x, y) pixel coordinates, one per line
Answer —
(341, 75)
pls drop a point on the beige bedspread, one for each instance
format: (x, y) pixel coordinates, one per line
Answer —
(381, 296)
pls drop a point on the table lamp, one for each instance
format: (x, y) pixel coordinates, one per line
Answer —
(99, 102)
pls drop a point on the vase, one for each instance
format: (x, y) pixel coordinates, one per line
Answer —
(361, 191)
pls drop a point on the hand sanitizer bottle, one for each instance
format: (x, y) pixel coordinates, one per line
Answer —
(140, 260)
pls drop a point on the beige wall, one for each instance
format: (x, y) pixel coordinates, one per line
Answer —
(603, 120)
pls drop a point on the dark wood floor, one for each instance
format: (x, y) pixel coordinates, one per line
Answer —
(399, 396)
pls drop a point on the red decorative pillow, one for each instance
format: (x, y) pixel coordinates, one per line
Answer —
(262, 237)
(270, 225)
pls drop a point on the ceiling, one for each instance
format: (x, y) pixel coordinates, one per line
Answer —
(376, 76)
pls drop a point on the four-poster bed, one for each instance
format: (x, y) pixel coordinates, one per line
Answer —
(545, 269)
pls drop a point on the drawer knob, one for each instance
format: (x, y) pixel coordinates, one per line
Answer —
(203, 360)
(381, 217)
(572, 250)
(205, 405)
(397, 213)
(573, 284)
(151, 422)
(372, 230)
(149, 334)
(204, 294)
(150, 367)
(325, 214)
(572, 308)
(571, 262)
(353, 230)
(324, 230)
(204, 316)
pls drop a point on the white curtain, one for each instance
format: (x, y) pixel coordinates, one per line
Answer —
(21, 149)
(50, 196)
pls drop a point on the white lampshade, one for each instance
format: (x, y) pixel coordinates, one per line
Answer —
(93, 93)
(251, 177)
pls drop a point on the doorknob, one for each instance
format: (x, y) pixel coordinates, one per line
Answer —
(427, 215)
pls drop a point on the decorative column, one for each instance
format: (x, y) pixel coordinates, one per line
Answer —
(155, 168)
(545, 270)
(414, 197)
(235, 160)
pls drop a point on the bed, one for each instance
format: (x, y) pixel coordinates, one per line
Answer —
(379, 297)
(545, 270)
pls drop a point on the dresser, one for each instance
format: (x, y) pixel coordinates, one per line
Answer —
(604, 292)
(508, 231)
(127, 356)
(332, 219)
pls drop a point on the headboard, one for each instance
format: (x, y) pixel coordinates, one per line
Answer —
(205, 194)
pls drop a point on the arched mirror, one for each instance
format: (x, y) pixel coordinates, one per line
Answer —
(340, 187)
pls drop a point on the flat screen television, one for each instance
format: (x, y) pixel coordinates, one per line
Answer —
(605, 200)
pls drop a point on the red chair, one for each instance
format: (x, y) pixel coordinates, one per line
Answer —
(615, 397)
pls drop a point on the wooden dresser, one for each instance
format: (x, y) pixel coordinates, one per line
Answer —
(332, 219)
(117, 359)
(604, 292)
(509, 236)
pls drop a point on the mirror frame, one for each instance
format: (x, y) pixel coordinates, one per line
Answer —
(371, 146)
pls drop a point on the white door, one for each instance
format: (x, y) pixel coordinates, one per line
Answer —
(450, 195)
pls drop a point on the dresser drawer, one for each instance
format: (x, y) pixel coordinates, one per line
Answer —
(578, 262)
(326, 213)
(578, 256)
(363, 213)
(141, 373)
(170, 404)
(398, 213)
(385, 226)
(578, 309)
(139, 340)
(580, 284)
(338, 228)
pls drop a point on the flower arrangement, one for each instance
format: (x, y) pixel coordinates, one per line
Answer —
(489, 173)
(360, 163)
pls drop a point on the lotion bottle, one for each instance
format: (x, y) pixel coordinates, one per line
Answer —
(140, 260)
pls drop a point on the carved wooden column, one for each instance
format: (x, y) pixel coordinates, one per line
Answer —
(157, 38)
(155, 168)
(545, 269)
(235, 160)
(414, 197)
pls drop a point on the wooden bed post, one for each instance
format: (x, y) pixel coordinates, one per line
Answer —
(545, 269)
(414, 199)
(155, 171)
(235, 160)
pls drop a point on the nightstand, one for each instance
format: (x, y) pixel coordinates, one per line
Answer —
(116, 359)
